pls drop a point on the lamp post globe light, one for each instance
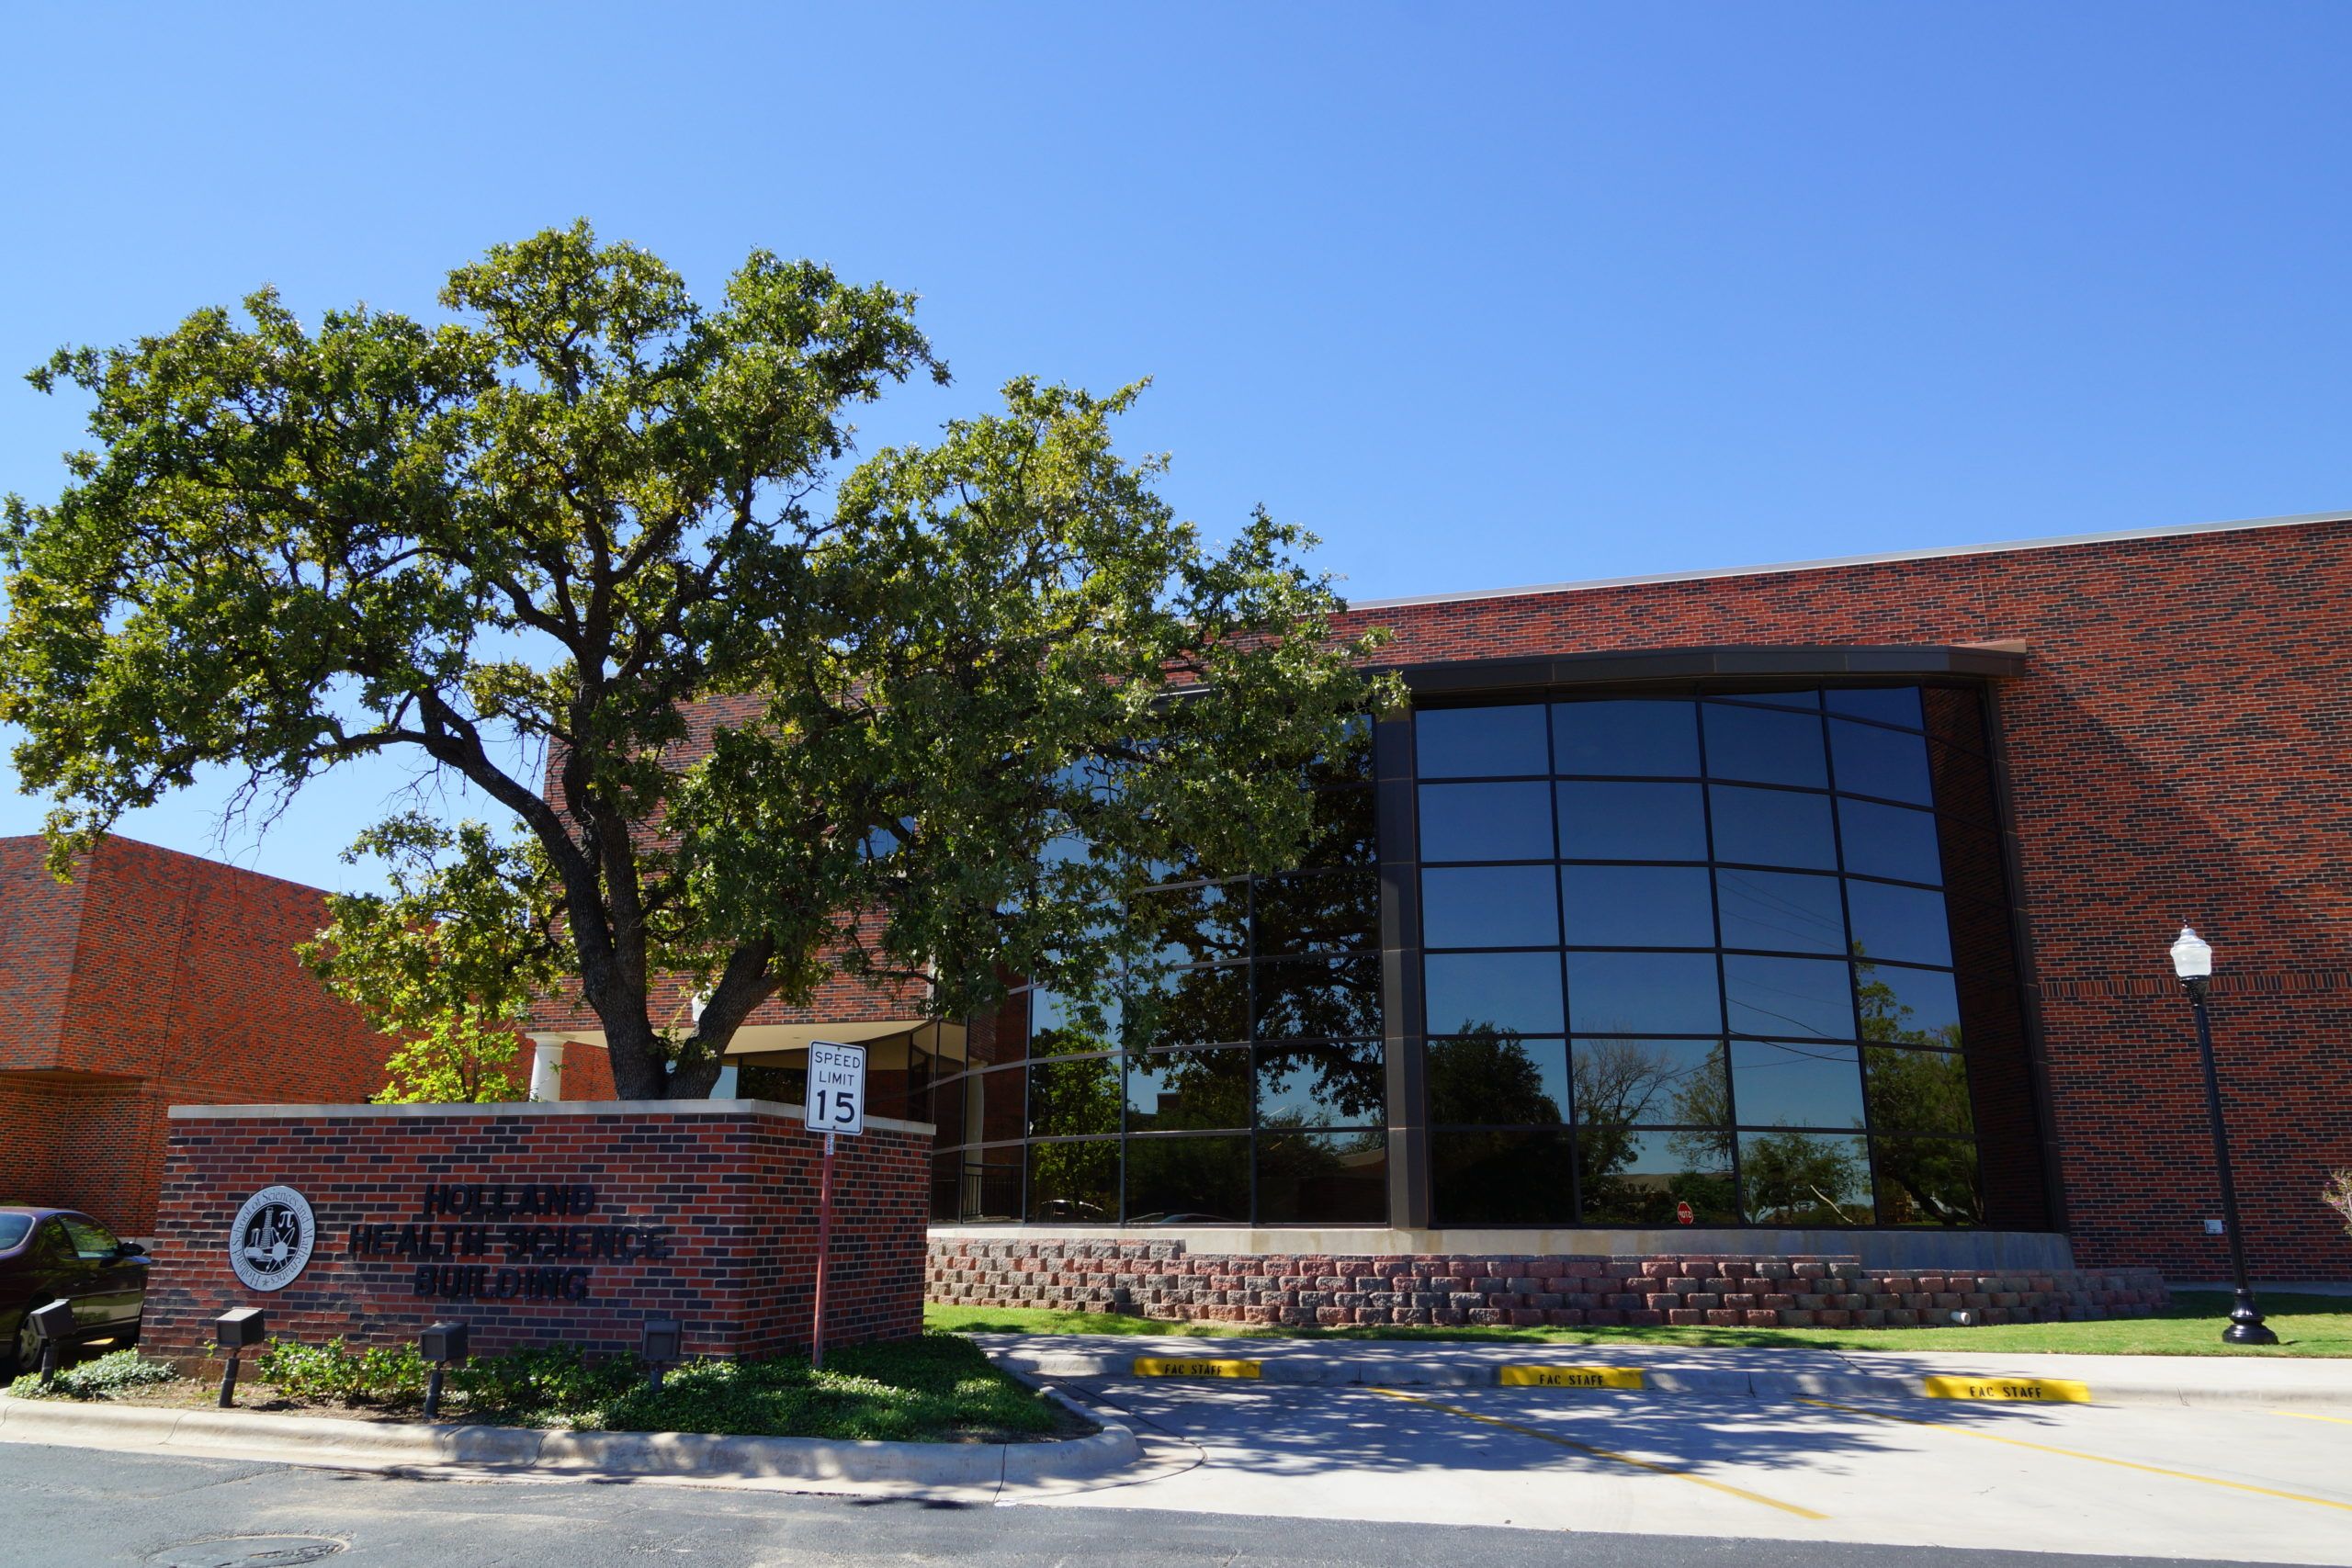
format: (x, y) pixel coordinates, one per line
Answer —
(2192, 960)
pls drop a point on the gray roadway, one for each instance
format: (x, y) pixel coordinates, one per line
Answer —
(68, 1507)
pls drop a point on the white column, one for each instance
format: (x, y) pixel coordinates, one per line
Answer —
(547, 1067)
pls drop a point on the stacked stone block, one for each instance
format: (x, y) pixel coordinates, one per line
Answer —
(1163, 1280)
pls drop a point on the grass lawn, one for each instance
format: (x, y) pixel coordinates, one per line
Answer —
(2306, 1325)
(937, 1389)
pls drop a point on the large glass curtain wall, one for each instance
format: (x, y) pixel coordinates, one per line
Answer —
(1240, 1078)
(1691, 959)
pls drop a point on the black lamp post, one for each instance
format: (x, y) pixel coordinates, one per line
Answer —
(2192, 960)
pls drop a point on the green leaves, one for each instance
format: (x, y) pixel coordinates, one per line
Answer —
(574, 546)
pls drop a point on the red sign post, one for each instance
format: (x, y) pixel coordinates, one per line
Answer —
(836, 1105)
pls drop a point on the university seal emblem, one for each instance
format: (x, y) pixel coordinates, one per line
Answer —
(271, 1240)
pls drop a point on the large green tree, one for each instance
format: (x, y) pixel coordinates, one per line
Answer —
(591, 533)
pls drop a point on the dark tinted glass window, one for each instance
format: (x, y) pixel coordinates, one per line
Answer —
(1928, 1181)
(1175, 1091)
(1639, 1179)
(1908, 1006)
(1888, 705)
(1341, 1084)
(1633, 1083)
(1638, 736)
(1905, 924)
(1643, 993)
(1501, 1178)
(1889, 762)
(1503, 821)
(13, 1228)
(1073, 1097)
(1779, 910)
(1202, 924)
(1507, 906)
(1076, 1184)
(1918, 1091)
(1764, 746)
(1806, 698)
(1331, 998)
(1806, 1178)
(1795, 1084)
(1637, 905)
(1515, 991)
(1633, 821)
(992, 1105)
(988, 1182)
(1454, 743)
(1889, 840)
(1344, 830)
(1789, 996)
(1335, 912)
(1063, 1024)
(1497, 1080)
(1190, 1007)
(1333, 1179)
(1772, 826)
(1188, 1181)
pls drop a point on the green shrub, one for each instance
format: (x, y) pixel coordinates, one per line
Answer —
(334, 1371)
(545, 1385)
(97, 1378)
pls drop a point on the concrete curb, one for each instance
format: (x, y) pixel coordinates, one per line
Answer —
(1295, 1369)
(326, 1439)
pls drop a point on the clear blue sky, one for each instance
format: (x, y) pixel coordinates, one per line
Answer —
(1484, 295)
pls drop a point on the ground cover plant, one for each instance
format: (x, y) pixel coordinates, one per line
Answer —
(2306, 1325)
(937, 1388)
(99, 1378)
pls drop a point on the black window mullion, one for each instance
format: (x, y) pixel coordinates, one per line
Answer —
(1723, 986)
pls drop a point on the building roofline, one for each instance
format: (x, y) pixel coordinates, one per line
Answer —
(2059, 541)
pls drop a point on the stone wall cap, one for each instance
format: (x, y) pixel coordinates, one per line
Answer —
(499, 1110)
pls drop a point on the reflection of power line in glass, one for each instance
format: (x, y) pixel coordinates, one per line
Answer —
(1774, 901)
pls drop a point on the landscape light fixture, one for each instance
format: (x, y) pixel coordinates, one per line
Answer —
(659, 1347)
(55, 1323)
(2192, 961)
(233, 1331)
(441, 1345)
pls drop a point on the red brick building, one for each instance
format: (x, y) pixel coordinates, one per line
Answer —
(1818, 908)
(153, 979)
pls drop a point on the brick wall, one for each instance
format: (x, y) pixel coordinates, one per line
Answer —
(735, 1188)
(154, 978)
(1161, 1280)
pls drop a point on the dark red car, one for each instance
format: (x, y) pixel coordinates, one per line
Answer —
(48, 1255)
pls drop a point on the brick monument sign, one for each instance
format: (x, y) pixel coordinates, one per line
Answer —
(568, 1223)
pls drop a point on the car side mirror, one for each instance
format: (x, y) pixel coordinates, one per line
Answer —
(130, 1249)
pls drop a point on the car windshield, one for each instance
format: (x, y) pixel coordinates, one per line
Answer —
(13, 1228)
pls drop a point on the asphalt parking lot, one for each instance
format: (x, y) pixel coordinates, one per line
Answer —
(2233, 1485)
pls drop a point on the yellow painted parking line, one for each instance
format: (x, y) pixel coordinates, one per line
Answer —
(1541, 1436)
(1530, 1376)
(2307, 1416)
(2042, 1391)
(2077, 1454)
(1170, 1367)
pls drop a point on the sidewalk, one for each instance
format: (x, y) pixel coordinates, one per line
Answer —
(2232, 1381)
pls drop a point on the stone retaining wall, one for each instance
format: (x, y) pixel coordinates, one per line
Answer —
(1163, 1280)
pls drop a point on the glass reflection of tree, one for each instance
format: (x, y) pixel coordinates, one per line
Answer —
(1074, 1180)
(1622, 1084)
(1484, 1074)
(1804, 1179)
(1919, 1088)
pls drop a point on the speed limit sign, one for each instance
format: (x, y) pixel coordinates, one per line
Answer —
(836, 1088)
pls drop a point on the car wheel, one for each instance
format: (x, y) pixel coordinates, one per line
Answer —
(22, 1352)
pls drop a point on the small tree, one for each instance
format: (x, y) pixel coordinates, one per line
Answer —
(578, 537)
(2337, 1195)
(449, 963)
